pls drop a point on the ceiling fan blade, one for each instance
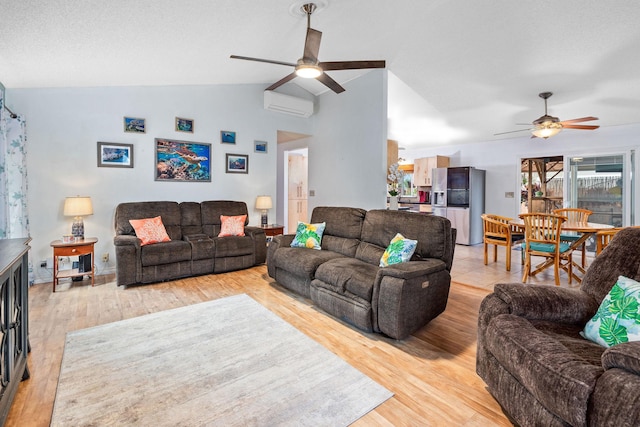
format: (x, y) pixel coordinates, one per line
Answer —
(511, 131)
(330, 83)
(282, 81)
(582, 119)
(312, 45)
(350, 65)
(585, 127)
(268, 61)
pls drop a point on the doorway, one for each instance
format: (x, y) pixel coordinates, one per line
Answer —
(297, 188)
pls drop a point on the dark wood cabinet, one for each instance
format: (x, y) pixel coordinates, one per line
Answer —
(14, 319)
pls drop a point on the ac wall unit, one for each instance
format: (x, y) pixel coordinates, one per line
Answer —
(286, 104)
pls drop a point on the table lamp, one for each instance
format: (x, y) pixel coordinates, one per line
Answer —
(77, 207)
(264, 204)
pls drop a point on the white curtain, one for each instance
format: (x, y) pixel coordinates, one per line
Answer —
(14, 218)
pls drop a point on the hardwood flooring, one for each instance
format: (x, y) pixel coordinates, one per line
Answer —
(432, 373)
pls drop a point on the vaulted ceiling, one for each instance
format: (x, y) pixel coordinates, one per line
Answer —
(460, 71)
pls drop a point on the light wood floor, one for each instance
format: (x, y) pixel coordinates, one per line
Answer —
(432, 373)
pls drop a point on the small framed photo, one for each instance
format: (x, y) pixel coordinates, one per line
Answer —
(260, 146)
(114, 155)
(184, 125)
(237, 163)
(184, 161)
(134, 125)
(227, 137)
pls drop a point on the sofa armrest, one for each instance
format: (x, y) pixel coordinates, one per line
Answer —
(540, 302)
(413, 269)
(280, 241)
(126, 240)
(624, 356)
(195, 237)
(260, 242)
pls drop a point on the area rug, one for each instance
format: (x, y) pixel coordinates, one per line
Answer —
(225, 362)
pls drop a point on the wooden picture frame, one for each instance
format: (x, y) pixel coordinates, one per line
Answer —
(183, 161)
(237, 163)
(115, 155)
(134, 125)
(184, 125)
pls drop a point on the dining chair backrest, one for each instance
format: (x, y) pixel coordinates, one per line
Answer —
(496, 226)
(542, 228)
(574, 215)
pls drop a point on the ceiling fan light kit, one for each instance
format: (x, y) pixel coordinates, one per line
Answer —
(308, 66)
(547, 126)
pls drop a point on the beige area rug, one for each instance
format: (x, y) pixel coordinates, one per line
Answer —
(225, 362)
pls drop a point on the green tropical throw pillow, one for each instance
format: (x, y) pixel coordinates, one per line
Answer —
(399, 250)
(308, 235)
(618, 318)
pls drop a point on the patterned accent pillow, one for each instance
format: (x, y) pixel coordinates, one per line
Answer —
(232, 225)
(308, 235)
(150, 230)
(618, 318)
(399, 250)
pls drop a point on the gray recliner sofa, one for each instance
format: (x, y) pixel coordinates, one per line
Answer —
(194, 248)
(344, 279)
(538, 366)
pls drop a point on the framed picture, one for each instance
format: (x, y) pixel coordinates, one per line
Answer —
(182, 161)
(237, 163)
(184, 125)
(227, 137)
(260, 146)
(114, 155)
(134, 125)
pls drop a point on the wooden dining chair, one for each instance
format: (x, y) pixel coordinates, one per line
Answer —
(498, 232)
(603, 237)
(542, 238)
(576, 216)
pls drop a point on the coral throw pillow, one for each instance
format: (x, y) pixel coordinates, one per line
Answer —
(308, 235)
(618, 318)
(150, 230)
(399, 250)
(232, 225)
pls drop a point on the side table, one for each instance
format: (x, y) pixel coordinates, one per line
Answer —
(81, 247)
(273, 230)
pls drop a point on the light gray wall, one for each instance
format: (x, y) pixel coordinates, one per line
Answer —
(65, 124)
(348, 149)
(501, 159)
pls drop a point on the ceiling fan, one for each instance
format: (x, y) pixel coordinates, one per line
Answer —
(547, 126)
(308, 66)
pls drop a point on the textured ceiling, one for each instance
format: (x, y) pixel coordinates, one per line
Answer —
(461, 71)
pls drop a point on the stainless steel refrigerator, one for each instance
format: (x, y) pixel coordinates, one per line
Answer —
(458, 194)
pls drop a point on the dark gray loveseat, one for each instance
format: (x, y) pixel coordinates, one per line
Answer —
(540, 369)
(194, 248)
(343, 278)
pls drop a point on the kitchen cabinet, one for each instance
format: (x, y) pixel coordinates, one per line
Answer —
(423, 167)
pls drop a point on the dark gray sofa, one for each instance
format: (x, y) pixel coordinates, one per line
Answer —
(538, 367)
(343, 278)
(194, 248)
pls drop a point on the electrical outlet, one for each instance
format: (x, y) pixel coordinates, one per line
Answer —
(105, 257)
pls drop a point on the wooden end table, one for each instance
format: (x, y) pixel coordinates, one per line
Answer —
(273, 230)
(81, 247)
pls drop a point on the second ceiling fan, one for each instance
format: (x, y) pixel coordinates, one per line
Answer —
(308, 66)
(547, 126)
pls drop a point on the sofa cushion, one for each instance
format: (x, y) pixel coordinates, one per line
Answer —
(150, 230)
(190, 218)
(212, 210)
(168, 211)
(558, 378)
(232, 225)
(348, 275)
(618, 318)
(302, 262)
(232, 246)
(308, 235)
(399, 250)
(165, 253)
(342, 232)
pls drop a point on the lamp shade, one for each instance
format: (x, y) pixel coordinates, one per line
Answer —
(264, 202)
(547, 129)
(78, 206)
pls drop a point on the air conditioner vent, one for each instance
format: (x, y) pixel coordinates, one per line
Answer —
(286, 104)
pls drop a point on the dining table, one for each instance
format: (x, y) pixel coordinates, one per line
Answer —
(584, 230)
